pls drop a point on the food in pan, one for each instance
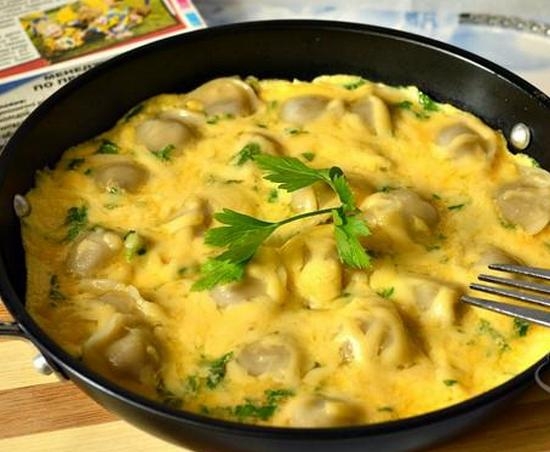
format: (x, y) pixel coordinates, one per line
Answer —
(288, 253)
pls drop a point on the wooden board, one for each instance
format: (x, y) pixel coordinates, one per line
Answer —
(40, 413)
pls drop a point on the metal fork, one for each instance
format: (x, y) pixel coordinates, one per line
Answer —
(528, 293)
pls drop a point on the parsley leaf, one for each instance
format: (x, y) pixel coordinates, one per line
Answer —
(347, 231)
(243, 234)
(217, 271)
(290, 173)
(521, 327)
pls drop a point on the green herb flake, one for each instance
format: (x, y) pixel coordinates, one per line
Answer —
(295, 131)
(507, 224)
(167, 397)
(247, 153)
(164, 154)
(134, 245)
(75, 163)
(77, 221)
(456, 206)
(387, 292)
(261, 409)
(450, 382)
(387, 409)
(108, 147)
(273, 196)
(521, 327)
(55, 293)
(217, 370)
(486, 328)
(308, 156)
(404, 105)
(427, 102)
(355, 84)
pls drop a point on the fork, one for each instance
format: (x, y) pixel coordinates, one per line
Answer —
(528, 293)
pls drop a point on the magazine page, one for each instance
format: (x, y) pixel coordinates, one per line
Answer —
(44, 44)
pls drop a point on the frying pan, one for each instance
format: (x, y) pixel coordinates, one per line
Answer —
(274, 49)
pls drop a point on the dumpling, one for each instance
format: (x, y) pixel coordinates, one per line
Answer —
(429, 301)
(303, 109)
(274, 356)
(123, 347)
(374, 113)
(398, 219)
(462, 140)
(224, 96)
(93, 251)
(114, 172)
(158, 133)
(526, 202)
(265, 280)
(317, 410)
(374, 333)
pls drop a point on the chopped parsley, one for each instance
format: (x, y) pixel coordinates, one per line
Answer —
(387, 292)
(217, 370)
(308, 156)
(261, 409)
(214, 119)
(164, 154)
(77, 221)
(247, 153)
(295, 131)
(355, 84)
(450, 382)
(387, 409)
(134, 245)
(521, 327)
(273, 196)
(167, 397)
(456, 206)
(108, 147)
(55, 293)
(427, 103)
(75, 163)
(486, 328)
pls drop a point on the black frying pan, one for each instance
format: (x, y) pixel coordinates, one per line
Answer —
(282, 49)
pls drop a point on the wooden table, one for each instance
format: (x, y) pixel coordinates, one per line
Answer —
(40, 413)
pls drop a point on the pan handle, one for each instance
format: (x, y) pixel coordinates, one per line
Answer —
(11, 329)
(39, 362)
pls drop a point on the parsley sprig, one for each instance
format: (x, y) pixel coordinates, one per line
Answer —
(243, 234)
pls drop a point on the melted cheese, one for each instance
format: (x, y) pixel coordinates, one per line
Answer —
(116, 237)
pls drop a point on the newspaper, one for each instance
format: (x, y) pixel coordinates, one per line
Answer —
(46, 43)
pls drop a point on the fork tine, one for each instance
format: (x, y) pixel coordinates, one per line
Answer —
(542, 273)
(542, 288)
(532, 315)
(543, 301)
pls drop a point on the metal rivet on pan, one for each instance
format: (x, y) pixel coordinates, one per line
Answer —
(41, 365)
(520, 136)
(21, 206)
